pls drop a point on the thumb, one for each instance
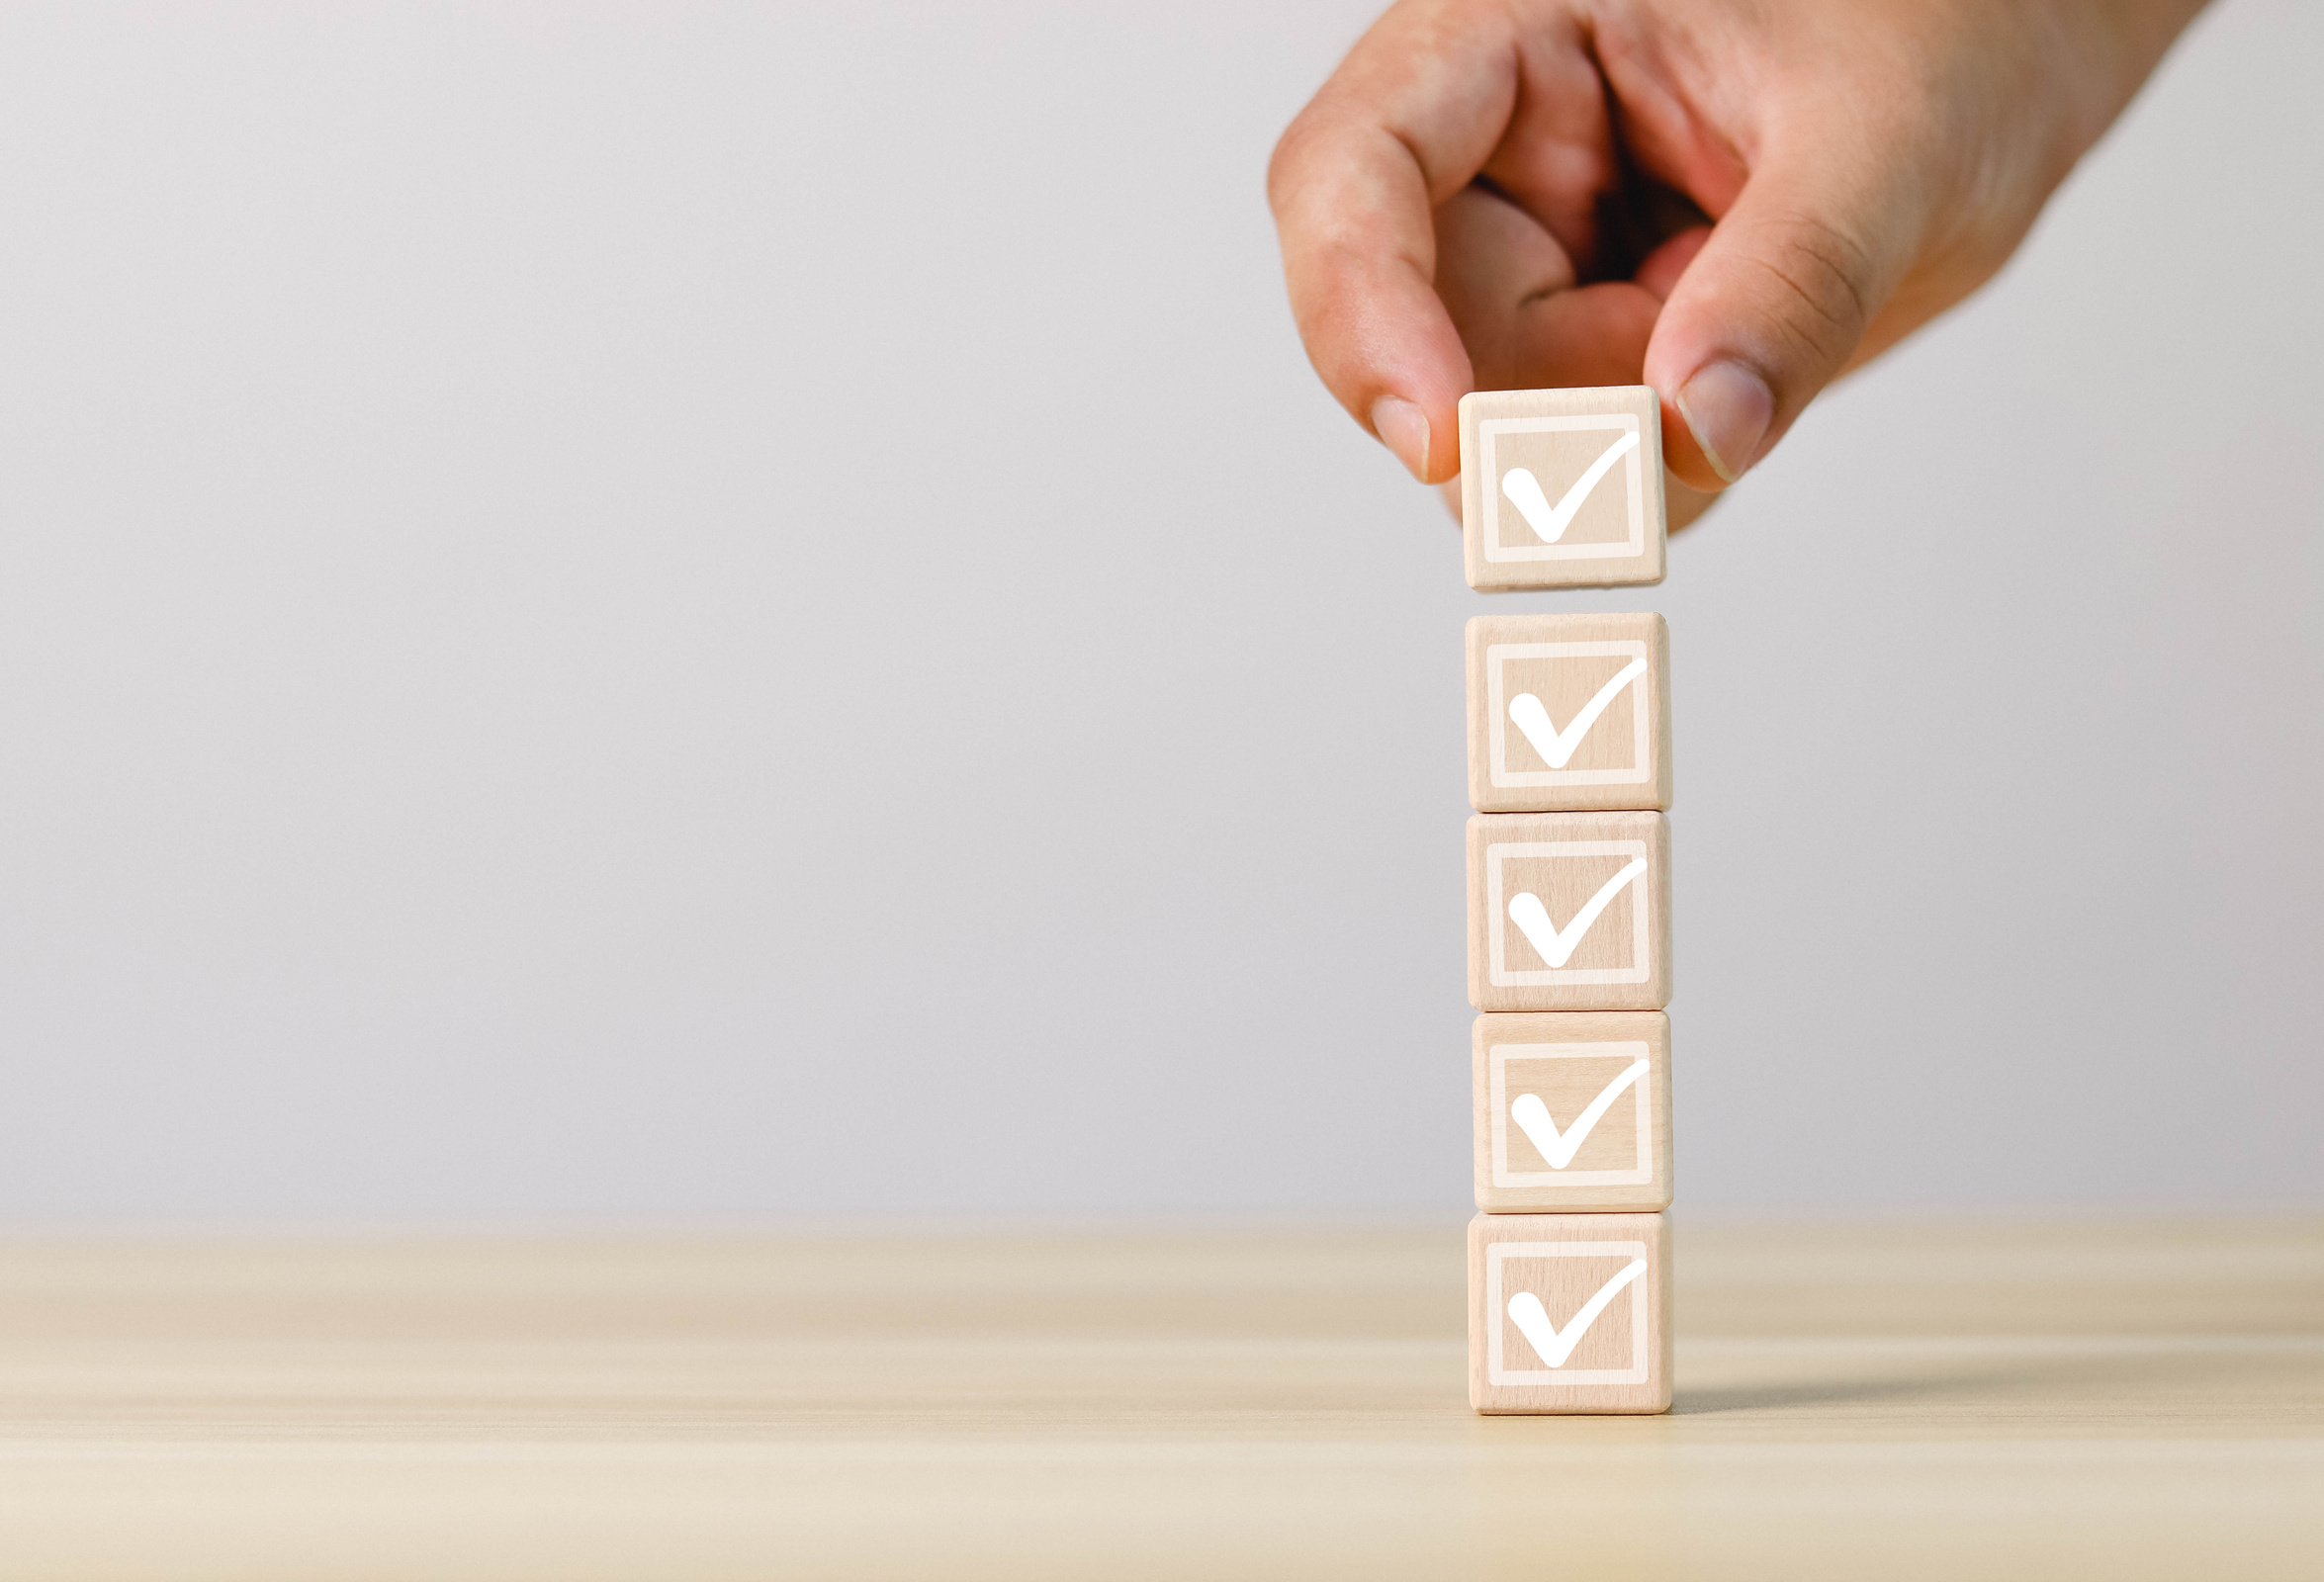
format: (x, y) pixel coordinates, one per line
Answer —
(1772, 308)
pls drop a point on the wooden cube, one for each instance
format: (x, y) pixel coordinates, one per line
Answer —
(1561, 488)
(1572, 1113)
(1568, 712)
(1568, 911)
(1569, 1313)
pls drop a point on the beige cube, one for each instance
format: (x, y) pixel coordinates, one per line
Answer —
(1569, 1313)
(1572, 1113)
(1568, 712)
(1561, 488)
(1568, 911)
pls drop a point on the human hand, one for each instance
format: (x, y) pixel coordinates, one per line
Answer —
(1733, 201)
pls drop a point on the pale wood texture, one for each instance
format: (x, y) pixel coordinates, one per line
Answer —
(1536, 511)
(1610, 1359)
(1607, 936)
(1596, 686)
(1620, 1156)
(2141, 1402)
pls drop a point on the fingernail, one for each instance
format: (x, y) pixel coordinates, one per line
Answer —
(1728, 408)
(1403, 428)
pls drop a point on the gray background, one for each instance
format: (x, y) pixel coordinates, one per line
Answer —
(692, 613)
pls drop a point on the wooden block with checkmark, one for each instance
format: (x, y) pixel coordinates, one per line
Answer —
(1572, 1113)
(1561, 488)
(1568, 712)
(1569, 1313)
(1569, 912)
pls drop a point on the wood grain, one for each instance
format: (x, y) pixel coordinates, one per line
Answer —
(1622, 759)
(1622, 1163)
(2141, 1401)
(1613, 531)
(1621, 961)
(1620, 1356)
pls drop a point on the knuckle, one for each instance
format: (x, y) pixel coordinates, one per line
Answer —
(1283, 163)
(1824, 270)
(1300, 153)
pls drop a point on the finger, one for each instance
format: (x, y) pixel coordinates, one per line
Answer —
(1493, 262)
(1408, 119)
(1509, 289)
(1590, 335)
(1659, 270)
(1774, 305)
(1596, 335)
(1509, 286)
(1557, 160)
(1682, 503)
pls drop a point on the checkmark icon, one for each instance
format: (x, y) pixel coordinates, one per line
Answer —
(1555, 1345)
(1549, 522)
(1556, 946)
(1554, 746)
(1559, 1148)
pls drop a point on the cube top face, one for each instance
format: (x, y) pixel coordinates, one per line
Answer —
(1572, 1113)
(1568, 712)
(1568, 911)
(1569, 1313)
(1561, 488)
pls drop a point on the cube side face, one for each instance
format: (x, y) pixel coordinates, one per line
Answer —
(1572, 1113)
(1569, 1313)
(1568, 713)
(1562, 488)
(1569, 912)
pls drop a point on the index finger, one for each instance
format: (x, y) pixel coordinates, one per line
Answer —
(1408, 120)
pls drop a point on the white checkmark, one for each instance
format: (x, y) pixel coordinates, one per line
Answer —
(1556, 746)
(1549, 522)
(1554, 1344)
(1559, 1148)
(1533, 918)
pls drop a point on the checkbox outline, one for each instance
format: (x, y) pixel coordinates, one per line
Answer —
(1497, 658)
(1644, 1092)
(1498, 1322)
(1497, 971)
(1488, 432)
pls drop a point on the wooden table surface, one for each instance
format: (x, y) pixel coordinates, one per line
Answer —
(2118, 1401)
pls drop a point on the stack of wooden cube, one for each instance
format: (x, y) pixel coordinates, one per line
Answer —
(1568, 908)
